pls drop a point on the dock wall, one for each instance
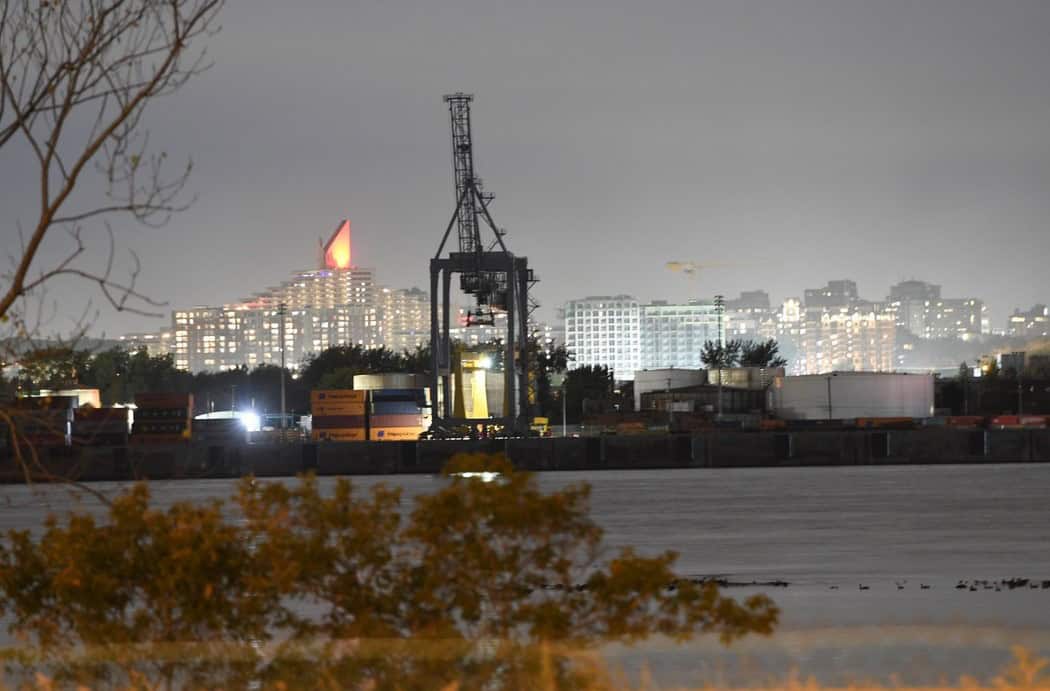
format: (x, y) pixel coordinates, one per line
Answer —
(712, 449)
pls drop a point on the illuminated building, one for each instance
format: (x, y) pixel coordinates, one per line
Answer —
(835, 294)
(918, 308)
(1035, 323)
(605, 331)
(337, 304)
(404, 318)
(154, 343)
(750, 317)
(674, 335)
(859, 341)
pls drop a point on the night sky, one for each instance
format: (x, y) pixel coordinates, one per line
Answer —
(788, 142)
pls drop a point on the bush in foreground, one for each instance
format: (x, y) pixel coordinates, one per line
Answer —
(478, 583)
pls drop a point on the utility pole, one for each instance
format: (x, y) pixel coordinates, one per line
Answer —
(719, 309)
(670, 406)
(564, 427)
(829, 398)
(282, 309)
(1020, 395)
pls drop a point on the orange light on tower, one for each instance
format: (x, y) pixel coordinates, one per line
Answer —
(337, 251)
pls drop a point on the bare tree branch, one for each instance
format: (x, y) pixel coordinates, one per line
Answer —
(76, 77)
(94, 63)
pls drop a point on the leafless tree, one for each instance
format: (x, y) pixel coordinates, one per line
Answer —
(76, 77)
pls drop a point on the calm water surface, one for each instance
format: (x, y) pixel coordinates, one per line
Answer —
(826, 531)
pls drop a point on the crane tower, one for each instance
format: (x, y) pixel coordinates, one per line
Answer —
(494, 278)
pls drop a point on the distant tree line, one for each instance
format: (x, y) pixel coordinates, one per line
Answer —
(120, 374)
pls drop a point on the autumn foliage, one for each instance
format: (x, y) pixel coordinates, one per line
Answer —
(294, 587)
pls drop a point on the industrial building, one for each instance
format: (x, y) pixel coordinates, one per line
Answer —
(851, 395)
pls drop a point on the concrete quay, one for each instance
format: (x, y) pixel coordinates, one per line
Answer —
(709, 449)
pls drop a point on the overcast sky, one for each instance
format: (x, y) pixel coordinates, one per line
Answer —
(789, 141)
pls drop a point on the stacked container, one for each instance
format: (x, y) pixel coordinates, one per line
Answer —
(397, 414)
(338, 415)
(220, 431)
(162, 418)
(100, 426)
(43, 421)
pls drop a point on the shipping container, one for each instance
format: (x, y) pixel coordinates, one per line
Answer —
(94, 436)
(395, 433)
(338, 421)
(627, 428)
(101, 414)
(100, 427)
(417, 396)
(167, 416)
(965, 421)
(338, 435)
(181, 428)
(885, 422)
(220, 430)
(48, 426)
(396, 420)
(46, 403)
(338, 408)
(395, 408)
(331, 395)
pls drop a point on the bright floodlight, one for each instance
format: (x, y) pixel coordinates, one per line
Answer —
(486, 362)
(250, 420)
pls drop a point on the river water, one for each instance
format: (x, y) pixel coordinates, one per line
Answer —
(855, 544)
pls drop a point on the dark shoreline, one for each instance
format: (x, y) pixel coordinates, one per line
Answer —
(710, 449)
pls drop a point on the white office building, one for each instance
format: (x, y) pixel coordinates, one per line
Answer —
(605, 330)
(673, 336)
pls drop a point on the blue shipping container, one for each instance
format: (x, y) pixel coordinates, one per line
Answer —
(395, 408)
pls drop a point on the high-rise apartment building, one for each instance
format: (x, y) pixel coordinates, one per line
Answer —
(962, 318)
(605, 330)
(917, 307)
(750, 317)
(840, 293)
(337, 304)
(1033, 323)
(404, 318)
(674, 335)
(847, 342)
(155, 343)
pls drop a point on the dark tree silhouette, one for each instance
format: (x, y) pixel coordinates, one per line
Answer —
(715, 355)
(761, 354)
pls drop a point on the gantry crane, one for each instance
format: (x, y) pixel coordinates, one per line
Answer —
(497, 281)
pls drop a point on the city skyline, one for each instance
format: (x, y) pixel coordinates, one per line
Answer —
(900, 140)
